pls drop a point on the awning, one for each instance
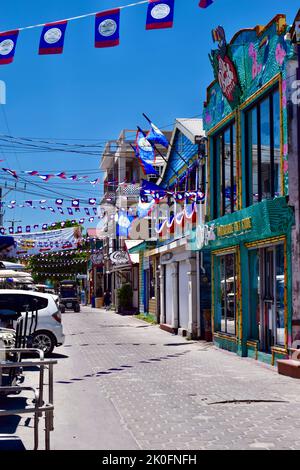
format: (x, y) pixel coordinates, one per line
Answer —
(134, 256)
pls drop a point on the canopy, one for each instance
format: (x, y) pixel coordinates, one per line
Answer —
(8, 273)
(14, 266)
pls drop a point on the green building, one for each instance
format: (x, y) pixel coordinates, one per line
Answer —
(250, 119)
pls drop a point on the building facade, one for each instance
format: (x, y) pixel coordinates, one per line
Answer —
(252, 196)
(119, 205)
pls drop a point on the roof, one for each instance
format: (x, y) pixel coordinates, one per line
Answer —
(131, 244)
(184, 147)
(191, 127)
(14, 266)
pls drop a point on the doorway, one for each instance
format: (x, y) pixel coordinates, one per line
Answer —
(267, 298)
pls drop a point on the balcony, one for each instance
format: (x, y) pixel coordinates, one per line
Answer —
(130, 191)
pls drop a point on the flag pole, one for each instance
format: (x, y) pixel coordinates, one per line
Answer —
(176, 151)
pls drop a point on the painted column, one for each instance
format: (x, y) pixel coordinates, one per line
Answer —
(242, 301)
(162, 294)
(193, 325)
(174, 300)
(294, 200)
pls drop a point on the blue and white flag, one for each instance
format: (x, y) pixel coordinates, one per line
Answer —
(155, 136)
(107, 28)
(160, 14)
(8, 43)
(52, 38)
(145, 153)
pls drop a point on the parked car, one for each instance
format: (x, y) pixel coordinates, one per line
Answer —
(49, 331)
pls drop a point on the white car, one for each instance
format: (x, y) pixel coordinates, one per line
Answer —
(49, 330)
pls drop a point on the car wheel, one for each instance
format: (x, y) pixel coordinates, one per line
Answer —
(44, 340)
(77, 308)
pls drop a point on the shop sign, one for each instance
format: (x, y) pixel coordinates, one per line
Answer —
(227, 77)
(235, 228)
(166, 257)
(224, 68)
(97, 259)
(120, 258)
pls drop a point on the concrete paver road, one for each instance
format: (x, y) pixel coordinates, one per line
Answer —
(124, 384)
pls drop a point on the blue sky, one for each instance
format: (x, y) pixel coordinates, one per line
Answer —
(89, 93)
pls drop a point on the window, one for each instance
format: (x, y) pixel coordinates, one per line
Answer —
(228, 293)
(262, 141)
(224, 174)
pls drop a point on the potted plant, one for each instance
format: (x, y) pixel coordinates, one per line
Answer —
(125, 300)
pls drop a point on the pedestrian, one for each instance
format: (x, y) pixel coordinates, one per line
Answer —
(107, 299)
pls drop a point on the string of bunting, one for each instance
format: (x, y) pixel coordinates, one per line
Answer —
(160, 15)
(46, 177)
(75, 203)
(28, 229)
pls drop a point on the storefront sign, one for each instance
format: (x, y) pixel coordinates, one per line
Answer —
(166, 257)
(227, 77)
(224, 69)
(120, 258)
(97, 259)
(234, 228)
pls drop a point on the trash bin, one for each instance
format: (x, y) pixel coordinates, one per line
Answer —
(99, 302)
(93, 301)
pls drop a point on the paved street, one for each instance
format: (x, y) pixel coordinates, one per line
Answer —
(123, 384)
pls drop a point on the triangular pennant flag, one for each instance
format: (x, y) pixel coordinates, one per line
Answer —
(62, 175)
(10, 172)
(8, 41)
(107, 28)
(160, 14)
(52, 38)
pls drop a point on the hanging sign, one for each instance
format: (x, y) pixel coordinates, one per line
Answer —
(224, 69)
(120, 258)
(51, 241)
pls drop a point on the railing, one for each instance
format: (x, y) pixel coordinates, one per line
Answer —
(128, 190)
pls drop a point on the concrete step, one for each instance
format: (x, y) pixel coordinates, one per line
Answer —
(289, 367)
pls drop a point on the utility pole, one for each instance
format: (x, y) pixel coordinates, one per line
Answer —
(1, 209)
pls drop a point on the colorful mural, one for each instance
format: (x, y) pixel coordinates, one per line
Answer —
(259, 55)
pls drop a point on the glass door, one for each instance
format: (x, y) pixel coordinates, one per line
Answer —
(268, 304)
(267, 299)
(273, 301)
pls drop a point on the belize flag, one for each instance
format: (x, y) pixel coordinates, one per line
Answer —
(155, 136)
(52, 38)
(8, 41)
(107, 28)
(160, 14)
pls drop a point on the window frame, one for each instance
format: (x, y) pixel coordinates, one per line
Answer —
(248, 157)
(219, 189)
